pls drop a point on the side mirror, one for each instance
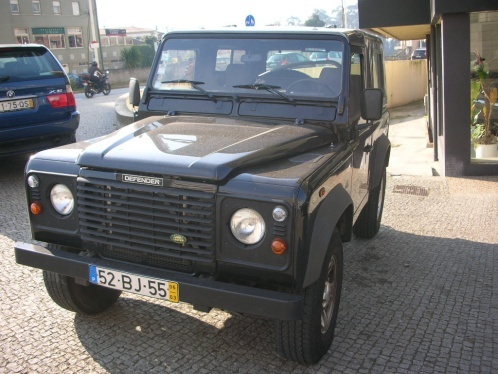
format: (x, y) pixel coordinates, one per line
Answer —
(372, 101)
(134, 92)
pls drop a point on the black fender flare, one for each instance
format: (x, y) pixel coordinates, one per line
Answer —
(379, 160)
(328, 215)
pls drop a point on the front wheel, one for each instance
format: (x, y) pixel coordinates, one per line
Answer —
(107, 89)
(89, 299)
(88, 92)
(368, 223)
(308, 339)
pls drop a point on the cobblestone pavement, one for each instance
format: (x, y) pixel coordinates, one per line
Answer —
(422, 296)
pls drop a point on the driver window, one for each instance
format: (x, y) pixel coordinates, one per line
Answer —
(356, 84)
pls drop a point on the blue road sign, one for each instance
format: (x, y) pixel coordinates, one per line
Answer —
(250, 21)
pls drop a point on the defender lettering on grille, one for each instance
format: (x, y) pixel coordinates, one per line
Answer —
(142, 180)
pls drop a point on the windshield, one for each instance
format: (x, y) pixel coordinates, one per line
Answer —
(27, 63)
(294, 68)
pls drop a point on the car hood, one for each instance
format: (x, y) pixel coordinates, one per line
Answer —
(199, 147)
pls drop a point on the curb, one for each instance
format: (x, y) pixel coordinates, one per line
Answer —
(123, 112)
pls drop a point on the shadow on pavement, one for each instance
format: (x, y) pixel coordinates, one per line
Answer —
(407, 300)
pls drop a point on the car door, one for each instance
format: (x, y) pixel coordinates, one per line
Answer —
(362, 140)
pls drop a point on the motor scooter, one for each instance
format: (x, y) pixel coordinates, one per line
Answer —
(91, 87)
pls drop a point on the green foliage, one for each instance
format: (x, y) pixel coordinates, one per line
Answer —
(147, 54)
(74, 85)
(137, 56)
(131, 57)
(489, 93)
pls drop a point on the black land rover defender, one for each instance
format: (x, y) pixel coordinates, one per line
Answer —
(235, 188)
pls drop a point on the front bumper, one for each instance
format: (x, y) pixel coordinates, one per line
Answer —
(196, 291)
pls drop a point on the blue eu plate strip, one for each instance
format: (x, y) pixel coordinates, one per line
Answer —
(93, 274)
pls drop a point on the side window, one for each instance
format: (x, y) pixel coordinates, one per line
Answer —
(356, 82)
(378, 79)
(375, 72)
(223, 59)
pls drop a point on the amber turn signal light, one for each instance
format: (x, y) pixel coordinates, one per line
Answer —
(279, 246)
(35, 207)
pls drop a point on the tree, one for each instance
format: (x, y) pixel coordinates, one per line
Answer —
(138, 56)
(131, 57)
(293, 21)
(314, 21)
(147, 55)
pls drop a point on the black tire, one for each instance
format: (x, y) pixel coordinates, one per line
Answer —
(72, 138)
(307, 340)
(368, 223)
(107, 89)
(66, 293)
(88, 92)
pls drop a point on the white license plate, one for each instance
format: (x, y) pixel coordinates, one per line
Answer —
(133, 283)
(12, 105)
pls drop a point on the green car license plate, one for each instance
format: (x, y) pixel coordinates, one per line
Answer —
(133, 283)
(13, 105)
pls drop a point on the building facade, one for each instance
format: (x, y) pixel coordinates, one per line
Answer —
(69, 29)
(461, 37)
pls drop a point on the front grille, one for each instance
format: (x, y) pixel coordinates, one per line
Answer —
(135, 223)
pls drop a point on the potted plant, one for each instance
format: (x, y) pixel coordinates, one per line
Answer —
(482, 134)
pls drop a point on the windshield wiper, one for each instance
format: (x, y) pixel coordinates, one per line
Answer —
(266, 87)
(194, 84)
(4, 78)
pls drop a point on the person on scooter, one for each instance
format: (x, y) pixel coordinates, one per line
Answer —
(97, 76)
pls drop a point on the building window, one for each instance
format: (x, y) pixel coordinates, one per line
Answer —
(50, 37)
(75, 37)
(22, 36)
(36, 7)
(484, 87)
(76, 8)
(14, 6)
(56, 5)
(117, 40)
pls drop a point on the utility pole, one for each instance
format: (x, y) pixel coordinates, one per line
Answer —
(94, 36)
(343, 15)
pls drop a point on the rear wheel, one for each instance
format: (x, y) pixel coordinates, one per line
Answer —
(307, 340)
(368, 223)
(107, 89)
(88, 92)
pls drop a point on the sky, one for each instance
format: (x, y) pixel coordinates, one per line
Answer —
(165, 15)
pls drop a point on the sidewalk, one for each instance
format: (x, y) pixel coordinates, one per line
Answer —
(411, 152)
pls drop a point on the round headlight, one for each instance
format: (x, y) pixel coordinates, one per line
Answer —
(62, 199)
(247, 226)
